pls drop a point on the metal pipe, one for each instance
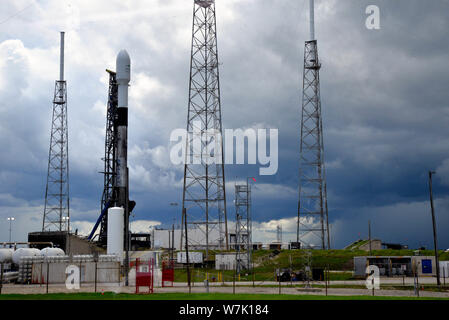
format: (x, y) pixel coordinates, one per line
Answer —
(1, 277)
(32, 242)
(173, 243)
(10, 219)
(61, 68)
(369, 235)
(96, 267)
(312, 20)
(434, 230)
(48, 277)
(184, 214)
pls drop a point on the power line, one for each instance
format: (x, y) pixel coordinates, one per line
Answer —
(17, 13)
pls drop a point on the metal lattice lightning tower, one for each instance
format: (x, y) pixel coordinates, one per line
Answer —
(56, 209)
(204, 196)
(312, 219)
(243, 226)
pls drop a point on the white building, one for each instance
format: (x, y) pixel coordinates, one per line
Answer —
(162, 239)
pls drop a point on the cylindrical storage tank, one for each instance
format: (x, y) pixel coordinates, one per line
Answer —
(6, 255)
(52, 252)
(25, 252)
(115, 238)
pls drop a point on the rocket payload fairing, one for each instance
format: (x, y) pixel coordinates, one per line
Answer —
(123, 78)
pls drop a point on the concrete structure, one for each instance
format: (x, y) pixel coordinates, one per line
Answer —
(396, 266)
(34, 269)
(160, 239)
(194, 257)
(375, 245)
(394, 246)
(70, 243)
(364, 245)
(275, 246)
(226, 261)
(140, 241)
(444, 269)
(107, 272)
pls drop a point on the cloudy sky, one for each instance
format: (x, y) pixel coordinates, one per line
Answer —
(385, 104)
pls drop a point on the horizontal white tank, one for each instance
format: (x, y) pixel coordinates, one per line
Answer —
(115, 240)
(52, 252)
(25, 252)
(6, 255)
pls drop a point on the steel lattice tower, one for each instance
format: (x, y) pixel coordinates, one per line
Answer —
(57, 210)
(204, 196)
(110, 156)
(312, 204)
(243, 228)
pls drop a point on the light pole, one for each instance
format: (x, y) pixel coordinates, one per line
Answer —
(66, 220)
(172, 248)
(67, 248)
(434, 229)
(10, 219)
(369, 235)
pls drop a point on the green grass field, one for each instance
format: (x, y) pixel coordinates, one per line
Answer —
(266, 263)
(196, 296)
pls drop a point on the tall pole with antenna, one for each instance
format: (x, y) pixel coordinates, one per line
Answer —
(313, 221)
(435, 242)
(56, 209)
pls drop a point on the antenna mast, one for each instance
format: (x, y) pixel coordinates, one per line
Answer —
(312, 19)
(56, 209)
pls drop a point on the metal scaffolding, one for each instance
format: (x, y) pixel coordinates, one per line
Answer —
(312, 219)
(57, 209)
(109, 197)
(243, 227)
(204, 196)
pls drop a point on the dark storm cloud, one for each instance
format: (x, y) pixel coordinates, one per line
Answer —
(384, 96)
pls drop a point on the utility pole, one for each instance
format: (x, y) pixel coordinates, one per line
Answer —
(369, 236)
(437, 262)
(172, 242)
(184, 218)
(10, 219)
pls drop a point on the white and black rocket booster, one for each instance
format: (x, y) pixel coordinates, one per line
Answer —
(123, 78)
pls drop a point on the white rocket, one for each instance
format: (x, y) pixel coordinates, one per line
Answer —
(118, 216)
(123, 78)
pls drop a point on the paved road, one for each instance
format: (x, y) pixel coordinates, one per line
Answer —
(199, 288)
(383, 281)
(298, 291)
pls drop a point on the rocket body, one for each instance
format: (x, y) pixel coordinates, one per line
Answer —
(123, 78)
